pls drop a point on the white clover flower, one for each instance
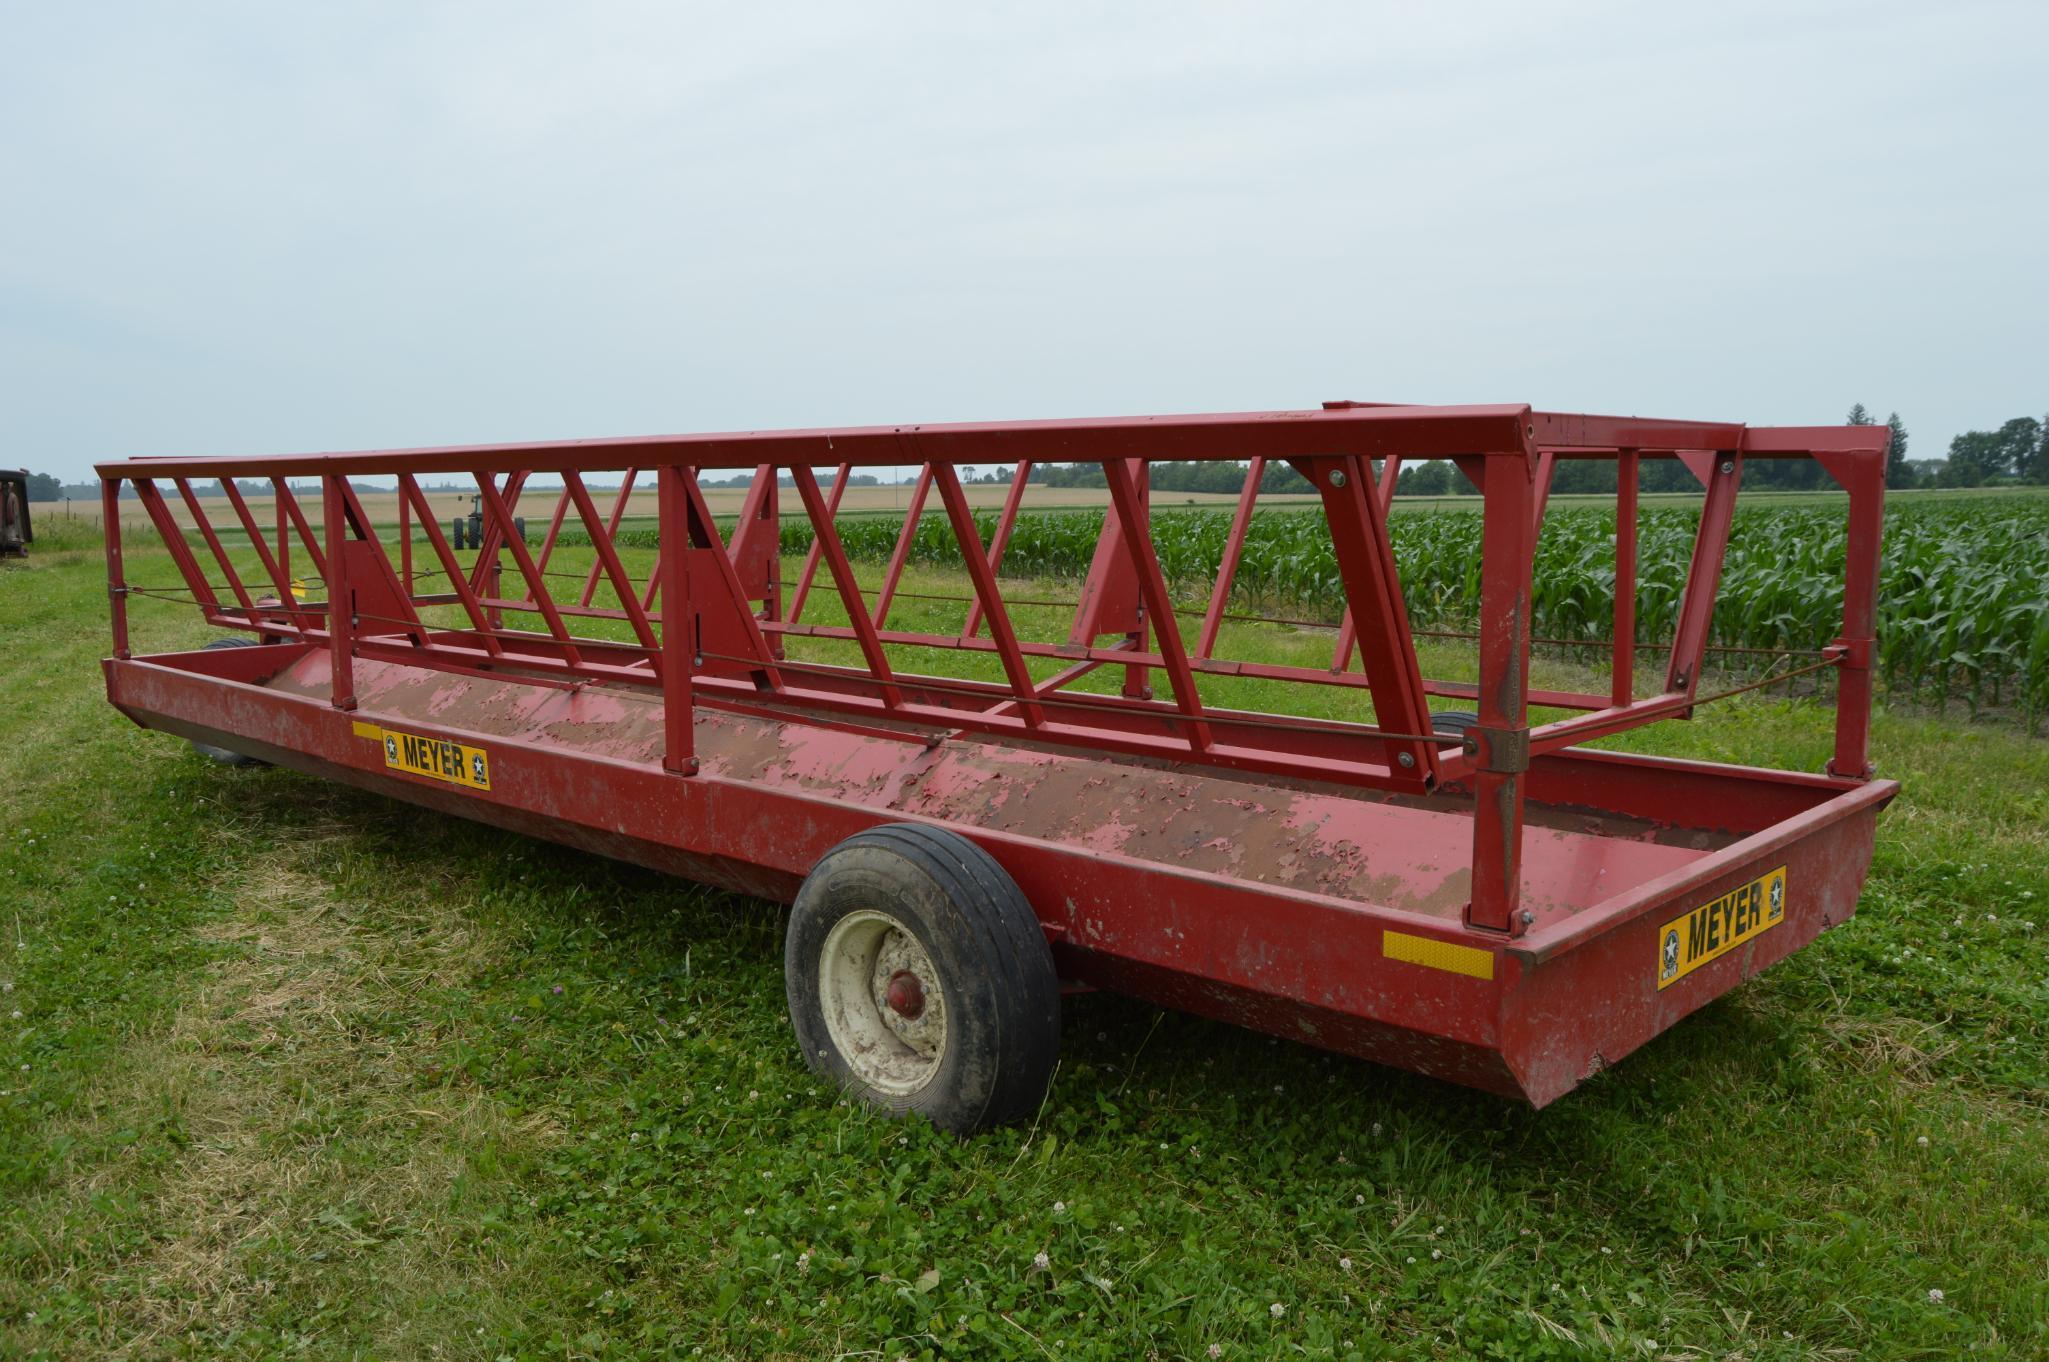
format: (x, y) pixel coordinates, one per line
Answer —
(1345, 1264)
(1215, 1350)
(804, 1261)
(1041, 1262)
(1376, 1127)
(1359, 1199)
(1412, 1260)
(1277, 1309)
(1935, 1296)
(1436, 1254)
(1922, 1141)
(1059, 1208)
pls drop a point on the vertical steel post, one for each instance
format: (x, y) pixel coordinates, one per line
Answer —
(678, 647)
(1502, 735)
(341, 624)
(1863, 477)
(117, 580)
(405, 550)
(1622, 672)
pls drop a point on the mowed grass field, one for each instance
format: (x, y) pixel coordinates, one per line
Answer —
(296, 1071)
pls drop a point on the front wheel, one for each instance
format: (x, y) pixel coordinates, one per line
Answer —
(919, 979)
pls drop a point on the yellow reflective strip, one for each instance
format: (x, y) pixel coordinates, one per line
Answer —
(1444, 955)
(363, 730)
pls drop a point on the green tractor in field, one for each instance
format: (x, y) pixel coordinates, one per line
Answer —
(468, 531)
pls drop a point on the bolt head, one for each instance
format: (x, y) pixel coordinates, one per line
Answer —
(1337, 478)
(1728, 465)
(1405, 758)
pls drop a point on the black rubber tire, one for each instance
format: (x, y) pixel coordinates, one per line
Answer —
(458, 527)
(222, 754)
(1003, 996)
(1453, 723)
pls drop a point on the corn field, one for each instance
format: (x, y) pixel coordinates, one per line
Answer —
(1963, 596)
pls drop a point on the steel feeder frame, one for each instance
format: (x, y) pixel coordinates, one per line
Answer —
(1484, 908)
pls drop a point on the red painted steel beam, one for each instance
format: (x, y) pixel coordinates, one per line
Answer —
(975, 557)
(1373, 596)
(1723, 474)
(1234, 549)
(1622, 670)
(678, 662)
(1013, 501)
(618, 513)
(1861, 473)
(341, 624)
(409, 492)
(1416, 432)
(825, 541)
(1501, 736)
(905, 536)
(811, 559)
(117, 573)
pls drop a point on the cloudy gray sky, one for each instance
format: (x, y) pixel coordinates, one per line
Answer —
(246, 228)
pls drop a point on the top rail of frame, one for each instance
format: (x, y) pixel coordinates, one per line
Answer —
(1413, 431)
(1371, 431)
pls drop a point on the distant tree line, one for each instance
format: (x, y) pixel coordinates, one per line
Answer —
(2017, 452)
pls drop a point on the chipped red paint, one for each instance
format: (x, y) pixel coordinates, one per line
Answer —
(1243, 866)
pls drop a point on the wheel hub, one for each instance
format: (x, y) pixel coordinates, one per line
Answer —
(883, 999)
(905, 995)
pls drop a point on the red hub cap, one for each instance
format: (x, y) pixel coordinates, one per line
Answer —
(905, 995)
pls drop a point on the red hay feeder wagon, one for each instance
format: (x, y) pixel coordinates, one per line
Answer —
(1467, 896)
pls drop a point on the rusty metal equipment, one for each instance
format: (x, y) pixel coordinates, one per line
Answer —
(1496, 904)
(16, 533)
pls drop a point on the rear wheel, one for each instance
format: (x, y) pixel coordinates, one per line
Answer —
(222, 754)
(1453, 723)
(919, 979)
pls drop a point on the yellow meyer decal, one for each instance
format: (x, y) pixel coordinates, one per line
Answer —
(435, 758)
(1721, 925)
(1444, 955)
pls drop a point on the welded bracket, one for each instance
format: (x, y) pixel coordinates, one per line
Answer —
(1504, 751)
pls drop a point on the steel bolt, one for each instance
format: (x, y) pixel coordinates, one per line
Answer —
(1337, 478)
(1405, 758)
(1528, 917)
(1728, 465)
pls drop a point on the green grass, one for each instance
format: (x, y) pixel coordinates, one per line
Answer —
(310, 1073)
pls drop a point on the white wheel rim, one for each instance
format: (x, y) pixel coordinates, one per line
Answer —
(884, 1003)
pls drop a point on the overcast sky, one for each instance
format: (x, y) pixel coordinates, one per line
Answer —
(250, 228)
